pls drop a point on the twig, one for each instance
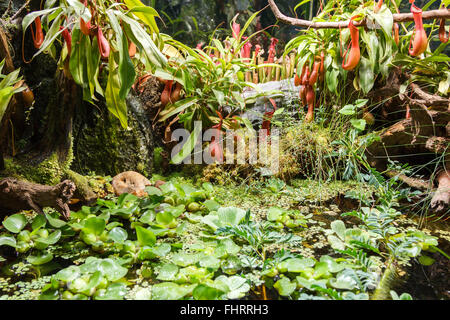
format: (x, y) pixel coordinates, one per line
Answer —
(398, 17)
(415, 183)
(4, 51)
(20, 10)
(7, 9)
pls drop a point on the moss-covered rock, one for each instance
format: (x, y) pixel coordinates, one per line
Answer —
(102, 146)
(48, 171)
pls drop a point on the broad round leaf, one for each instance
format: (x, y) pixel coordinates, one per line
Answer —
(40, 258)
(15, 223)
(118, 235)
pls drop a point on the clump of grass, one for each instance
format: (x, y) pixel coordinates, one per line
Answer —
(303, 152)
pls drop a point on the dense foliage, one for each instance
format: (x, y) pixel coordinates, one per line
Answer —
(272, 240)
(184, 244)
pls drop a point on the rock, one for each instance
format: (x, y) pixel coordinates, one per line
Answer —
(289, 94)
(130, 182)
(102, 146)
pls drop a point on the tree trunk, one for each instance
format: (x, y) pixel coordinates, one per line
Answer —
(56, 135)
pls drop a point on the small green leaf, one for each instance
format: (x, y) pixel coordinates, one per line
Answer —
(348, 110)
(274, 214)
(68, 274)
(94, 225)
(145, 237)
(52, 238)
(188, 146)
(211, 205)
(118, 235)
(210, 262)
(168, 272)
(171, 291)
(339, 228)
(56, 223)
(359, 124)
(204, 292)
(38, 222)
(426, 260)
(40, 258)
(285, 287)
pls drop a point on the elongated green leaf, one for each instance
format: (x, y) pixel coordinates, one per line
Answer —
(366, 75)
(126, 68)
(143, 40)
(77, 63)
(188, 146)
(5, 97)
(92, 69)
(51, 35)
(146, 14)
(247, 24)
(115, 104)
(29, 18)
(177, 108)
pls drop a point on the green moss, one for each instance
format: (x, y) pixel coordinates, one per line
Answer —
(157, 158)
(82, 184)
(104, 147)
(47, 172)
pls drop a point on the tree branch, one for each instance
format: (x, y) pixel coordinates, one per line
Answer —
(398, 17)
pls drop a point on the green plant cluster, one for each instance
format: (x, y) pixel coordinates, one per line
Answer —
(8, 87)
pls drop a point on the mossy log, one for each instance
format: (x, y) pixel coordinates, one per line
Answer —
(16, 195)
